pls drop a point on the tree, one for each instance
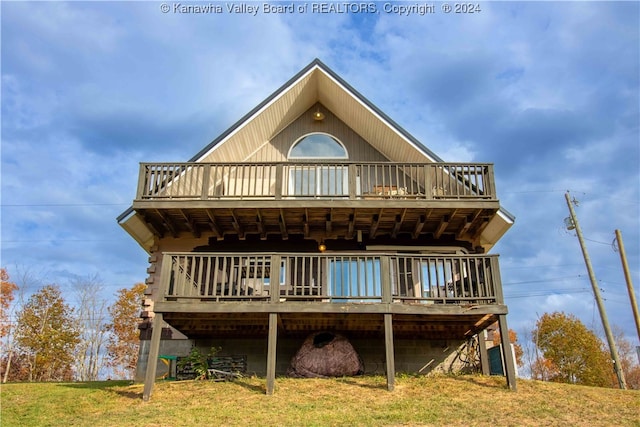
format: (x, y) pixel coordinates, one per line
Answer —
(28, 281)
(123, 343)
(572, 352)
(628, 360)
(7, 289)
(544, 369)
(91, 315)
(47, 335)
(513, 339)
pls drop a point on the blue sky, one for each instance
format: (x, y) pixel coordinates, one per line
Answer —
(548, 91)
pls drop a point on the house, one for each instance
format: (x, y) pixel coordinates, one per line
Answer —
(317, 212)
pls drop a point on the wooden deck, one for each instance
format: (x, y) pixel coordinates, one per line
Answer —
(317, 200)
(426, 181)
(432, 297)
(383, 295)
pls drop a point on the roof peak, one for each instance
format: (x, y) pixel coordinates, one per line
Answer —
(316, 63)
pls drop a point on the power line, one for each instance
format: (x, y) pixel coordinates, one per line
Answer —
(538, 266)
(584, 193)
(543, 280)
(60, 240)
(545, 292)
(596, 241)
(49, 205)
(532, 191)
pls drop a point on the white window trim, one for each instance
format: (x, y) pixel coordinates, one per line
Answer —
(297, 141)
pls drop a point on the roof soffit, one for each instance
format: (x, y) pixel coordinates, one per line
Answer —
(266, 120)
(373, 126)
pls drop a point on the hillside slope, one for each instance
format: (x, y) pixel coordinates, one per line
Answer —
(416, 401)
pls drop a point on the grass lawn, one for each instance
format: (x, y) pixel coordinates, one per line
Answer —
(362, 401)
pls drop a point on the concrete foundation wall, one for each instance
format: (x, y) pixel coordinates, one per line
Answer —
(412, 356)
(167, 347)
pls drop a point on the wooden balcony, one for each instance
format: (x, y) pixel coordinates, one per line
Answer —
(345, 180)
(317, 200)
(232, 294)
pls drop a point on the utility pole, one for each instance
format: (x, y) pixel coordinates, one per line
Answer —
(627, 276)
(617, 367)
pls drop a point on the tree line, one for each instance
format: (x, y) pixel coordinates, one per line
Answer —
(45, 337)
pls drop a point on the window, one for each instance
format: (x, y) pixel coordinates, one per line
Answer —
(328, 179)
(318, 146)
(315, 180)
(355, 278)
(266, 280)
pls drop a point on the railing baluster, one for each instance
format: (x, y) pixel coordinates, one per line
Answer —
(389, 180)
(199, 282)
(454, 279)
(193, 172)
(184, 179)
(159, 179)
(174, 183)
(304, 279)
(274, 280)
(226, 277)
(254, 180)
(280, 181)
(192, 277)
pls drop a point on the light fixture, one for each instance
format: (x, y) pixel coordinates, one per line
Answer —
(318, 115)
(322, 247)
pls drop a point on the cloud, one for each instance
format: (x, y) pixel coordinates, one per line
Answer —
(549, 92)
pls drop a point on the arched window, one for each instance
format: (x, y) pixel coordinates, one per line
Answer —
(323, 179)
(318, 146)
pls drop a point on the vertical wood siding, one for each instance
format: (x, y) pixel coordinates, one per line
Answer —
(280, 144)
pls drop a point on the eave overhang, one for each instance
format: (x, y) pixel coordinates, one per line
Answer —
(315, 84)
(137, 228)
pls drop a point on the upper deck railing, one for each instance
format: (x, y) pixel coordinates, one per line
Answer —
(346, 180)
(339, 277)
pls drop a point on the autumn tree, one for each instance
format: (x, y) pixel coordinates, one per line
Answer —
(91, 315)
(25, 280)
(544, 369)
(46, 335)
(513, 339)
(7, 289)
(123, 343)
(628, 360)
(572, 353)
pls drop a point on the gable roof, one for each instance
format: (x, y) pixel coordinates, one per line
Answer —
(316, 83)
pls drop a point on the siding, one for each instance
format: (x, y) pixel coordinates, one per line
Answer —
(280, 144)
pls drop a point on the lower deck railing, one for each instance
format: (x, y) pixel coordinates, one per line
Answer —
(336, 277)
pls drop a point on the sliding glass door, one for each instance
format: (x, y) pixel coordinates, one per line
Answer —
(354, 279)
(314, 180)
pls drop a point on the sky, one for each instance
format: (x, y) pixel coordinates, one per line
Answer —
(547, 91)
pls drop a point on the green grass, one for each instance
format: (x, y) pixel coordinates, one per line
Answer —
(416, 401)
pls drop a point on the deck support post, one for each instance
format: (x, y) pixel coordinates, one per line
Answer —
(271, 352)
(507, 355)
(484, 355)
(152, 359)
(388, 345)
